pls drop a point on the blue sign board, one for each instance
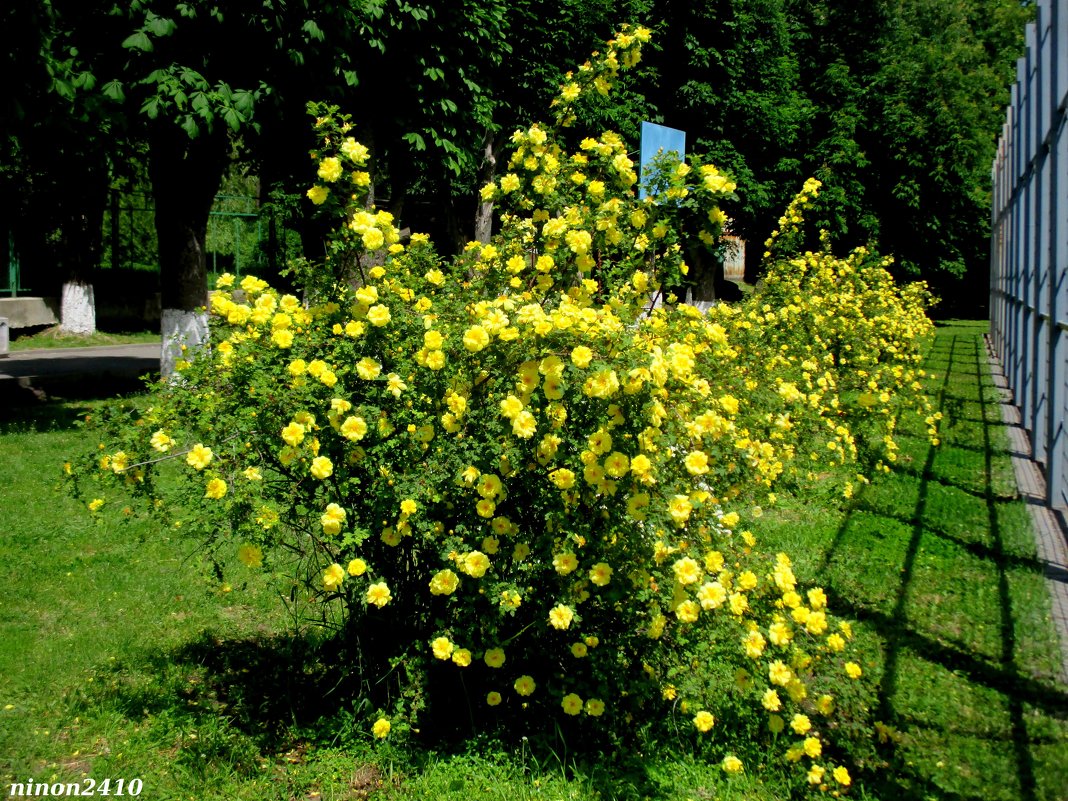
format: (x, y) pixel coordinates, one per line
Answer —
(657, 138)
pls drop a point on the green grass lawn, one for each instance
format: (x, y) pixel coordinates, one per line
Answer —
(122, 656)
(54, 338)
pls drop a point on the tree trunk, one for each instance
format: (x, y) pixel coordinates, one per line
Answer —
(81, 224)
(186, 174)
(484, 214)
(77, 308)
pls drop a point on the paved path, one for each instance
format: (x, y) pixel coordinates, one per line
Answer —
(1051, 535)
(78, 371)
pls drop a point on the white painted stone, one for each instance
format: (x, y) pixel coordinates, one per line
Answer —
(77, 309)
(180, 327)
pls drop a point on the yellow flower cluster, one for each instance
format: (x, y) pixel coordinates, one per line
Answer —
(516, 449)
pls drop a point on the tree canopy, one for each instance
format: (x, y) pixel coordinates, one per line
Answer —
(893, 105)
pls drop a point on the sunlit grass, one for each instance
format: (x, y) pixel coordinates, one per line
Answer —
(54, 338)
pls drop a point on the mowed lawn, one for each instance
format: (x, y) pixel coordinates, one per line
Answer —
(123, 656)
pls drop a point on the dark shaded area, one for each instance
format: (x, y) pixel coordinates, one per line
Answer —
(33, 378)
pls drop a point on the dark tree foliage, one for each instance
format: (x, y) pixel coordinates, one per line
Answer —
(894, 105)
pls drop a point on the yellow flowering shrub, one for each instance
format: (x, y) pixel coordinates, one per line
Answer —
(535, 465)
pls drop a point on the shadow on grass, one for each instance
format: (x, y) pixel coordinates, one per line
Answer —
(21, 411)
(1022, 693)
(279, 694)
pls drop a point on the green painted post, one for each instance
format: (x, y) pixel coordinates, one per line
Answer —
(237, 246)
(12, 265)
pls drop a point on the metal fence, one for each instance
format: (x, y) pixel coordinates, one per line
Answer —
(1029, 244)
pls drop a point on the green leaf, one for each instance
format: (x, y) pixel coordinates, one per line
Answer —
(313, 30)
(194, 78)
(161, 26)
(63, 88)
(190, 126)
(84, 80)
(151, 108)
(113, 91)
(138, 41)
(244, 102)
(232, 118)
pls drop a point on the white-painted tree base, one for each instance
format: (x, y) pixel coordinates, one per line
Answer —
(180, 327)
(77, 309)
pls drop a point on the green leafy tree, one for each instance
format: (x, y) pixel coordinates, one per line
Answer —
(192, 79)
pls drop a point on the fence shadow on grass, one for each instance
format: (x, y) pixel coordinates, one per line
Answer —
(901, 638)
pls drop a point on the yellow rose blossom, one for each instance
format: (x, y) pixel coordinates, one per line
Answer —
(524, 685)
(250, 555)
(444, 582)
(679, 508)
(322, 467)
(687, 612)
(560, 616)
(753, 644)
(381, 728)
(731, 764)
(216, 489)
(571, 704)
(703, 721)
(600, 574)
(378, 594)
(712, 595)
(199, 457)
(779, 673)
(581, 356)
(161, 442)
(442, 648)
(616, 464)
(475, 564)
(357, 567)
(825, 705)
(330, 169)
(476, 338)
(379, 315)
(332, 519)
(800, 723)
(696, 463)
(687, 571)
(565, 563)
(333, 576)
